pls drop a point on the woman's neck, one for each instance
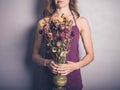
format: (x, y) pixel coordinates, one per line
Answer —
(64, 10)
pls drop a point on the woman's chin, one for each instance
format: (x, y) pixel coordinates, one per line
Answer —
(61, 5)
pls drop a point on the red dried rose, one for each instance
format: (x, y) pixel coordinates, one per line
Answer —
(63, 36)
(66, 30)
(50, 36)
(46, 28)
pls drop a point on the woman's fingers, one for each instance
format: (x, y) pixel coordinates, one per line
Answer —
(64, 72)
(69, 62)
(53, 67)
(53, 64)
(63, 69)
(54, 72)
(63, 66)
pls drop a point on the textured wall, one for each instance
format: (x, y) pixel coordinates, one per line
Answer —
(104, 19)
(17, 27)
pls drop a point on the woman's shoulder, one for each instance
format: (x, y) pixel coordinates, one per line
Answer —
(82, 23)
(82, 19)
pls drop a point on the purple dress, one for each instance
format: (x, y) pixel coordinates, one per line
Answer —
(74, 78)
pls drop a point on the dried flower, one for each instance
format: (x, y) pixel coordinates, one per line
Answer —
(50, 36)
(54, 19)
(46, 28)
(62, 36)
(65, 17)
(41, 24)
(58, 36)
(70, 23)
(46, 19)
(60, 20)
(59, 44)
(66, 30)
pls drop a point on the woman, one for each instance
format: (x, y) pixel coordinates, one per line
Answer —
(72, 68)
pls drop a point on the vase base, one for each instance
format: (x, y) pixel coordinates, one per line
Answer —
(59, 88)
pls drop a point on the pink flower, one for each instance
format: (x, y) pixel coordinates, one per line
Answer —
(58, 44)
(46, 28)
(54, 33)
(66, 30)
(62, 36)
(50, 36)
(62, 27)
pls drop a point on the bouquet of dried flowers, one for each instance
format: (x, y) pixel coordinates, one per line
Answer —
(58, 35)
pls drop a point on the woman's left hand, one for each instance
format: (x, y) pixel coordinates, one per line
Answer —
(65, 69)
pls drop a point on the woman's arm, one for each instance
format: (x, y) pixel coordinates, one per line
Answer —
(37, 44)
(36, 56)
(87, 42)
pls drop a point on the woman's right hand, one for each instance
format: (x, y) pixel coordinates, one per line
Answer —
(52, 66)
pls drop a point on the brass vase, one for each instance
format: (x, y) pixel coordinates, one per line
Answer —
(58, 79)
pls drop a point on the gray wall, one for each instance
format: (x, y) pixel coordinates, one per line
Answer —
(17, 27)
(104, 19)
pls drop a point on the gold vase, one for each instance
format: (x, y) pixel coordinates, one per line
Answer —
(59, 81)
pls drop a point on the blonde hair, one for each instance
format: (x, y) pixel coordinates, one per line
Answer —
(50, 7)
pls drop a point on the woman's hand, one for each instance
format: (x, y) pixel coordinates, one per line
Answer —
(65, 69)
(52, 66)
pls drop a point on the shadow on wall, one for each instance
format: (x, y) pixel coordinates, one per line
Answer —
(35, 69)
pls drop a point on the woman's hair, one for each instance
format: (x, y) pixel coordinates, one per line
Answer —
(50, 7)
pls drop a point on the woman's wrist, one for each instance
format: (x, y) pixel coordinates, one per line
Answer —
(77, 65)
(46, 62)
